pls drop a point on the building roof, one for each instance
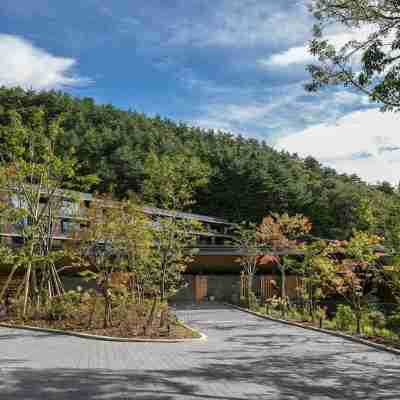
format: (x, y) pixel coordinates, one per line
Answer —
(184, 215)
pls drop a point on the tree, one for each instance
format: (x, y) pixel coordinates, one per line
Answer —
(138, 241)
(317, 271)
(173, 248)
(367, 60)
(35, 183)
(171, 181)
(390, 277)
(103, 246)
(247, 242)
(280, 234)
(359, 271)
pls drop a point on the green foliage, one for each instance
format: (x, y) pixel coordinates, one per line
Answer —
(243, 301)
(344, 317)
(172, 237)
(171, 181)
(72, 297)
(377, 320)
(32, 173)
(320, 313)
(60, 308)
(374, 54)
(393, 321)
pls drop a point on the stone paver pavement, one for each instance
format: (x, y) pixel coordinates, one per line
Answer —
(245, 358)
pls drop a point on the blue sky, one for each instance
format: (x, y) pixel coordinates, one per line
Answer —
(235, 65)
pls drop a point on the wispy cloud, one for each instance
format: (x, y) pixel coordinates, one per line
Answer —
(244, 23)
(301, 54)
(220, 23)
(23, 64)
(269, 113)
(362, 142)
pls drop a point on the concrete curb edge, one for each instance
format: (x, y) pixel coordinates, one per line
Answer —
(202, 337)
(328, 332)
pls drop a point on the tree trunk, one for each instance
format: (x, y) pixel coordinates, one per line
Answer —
(162, 289)
(8, 281)
(107, 307)
(283, 290)
(92, 312)
(250, 289)
(250, 277)
(358, 319)
(26, 292)
(151, 317)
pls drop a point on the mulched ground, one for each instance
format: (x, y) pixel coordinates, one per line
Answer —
(133, 322)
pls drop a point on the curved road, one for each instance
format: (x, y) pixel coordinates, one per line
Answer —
(245, 358)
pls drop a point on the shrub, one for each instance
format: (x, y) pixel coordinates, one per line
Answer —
(72, 297)
(243, 301)
(295, 314)
(377, 320)
(393, 322)
(344, 317)
(59, 309)
(252, 301)
(386, 333)
(320, 315)
(272, 305)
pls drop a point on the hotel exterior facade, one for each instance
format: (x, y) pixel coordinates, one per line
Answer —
(214, 272)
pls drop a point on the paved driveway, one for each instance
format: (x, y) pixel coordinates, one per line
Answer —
(245, 358)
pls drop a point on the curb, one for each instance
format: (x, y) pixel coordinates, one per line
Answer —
(328, 332)
(202, 338)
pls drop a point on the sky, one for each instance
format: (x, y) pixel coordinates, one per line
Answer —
(233, 65)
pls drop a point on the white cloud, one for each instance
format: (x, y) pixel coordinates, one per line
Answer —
(365, 143)
(301, 54)
(294, 55)
(22, 64)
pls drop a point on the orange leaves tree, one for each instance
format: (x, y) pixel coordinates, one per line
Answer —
(280, 235)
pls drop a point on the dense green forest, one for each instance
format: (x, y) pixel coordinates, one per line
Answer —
(248, 178)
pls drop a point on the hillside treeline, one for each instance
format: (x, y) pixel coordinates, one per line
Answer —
(248, 179)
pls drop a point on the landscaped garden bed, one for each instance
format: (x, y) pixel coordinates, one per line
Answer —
(84, 313)
(375, 326)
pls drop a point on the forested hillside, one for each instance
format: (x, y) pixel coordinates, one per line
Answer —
(248, 178)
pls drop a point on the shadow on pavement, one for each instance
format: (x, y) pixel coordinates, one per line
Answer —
(285, 378)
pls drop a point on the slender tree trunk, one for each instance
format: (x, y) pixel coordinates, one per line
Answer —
(107, 306)
(26, 291)
(163, 277)
(8, 281)
(283, 289)
(151, 317)
(92, 312)
(249, 288)
(358, 320)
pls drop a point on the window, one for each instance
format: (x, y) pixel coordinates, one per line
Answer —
(43, 200)
(67, 226)
(18, 240)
